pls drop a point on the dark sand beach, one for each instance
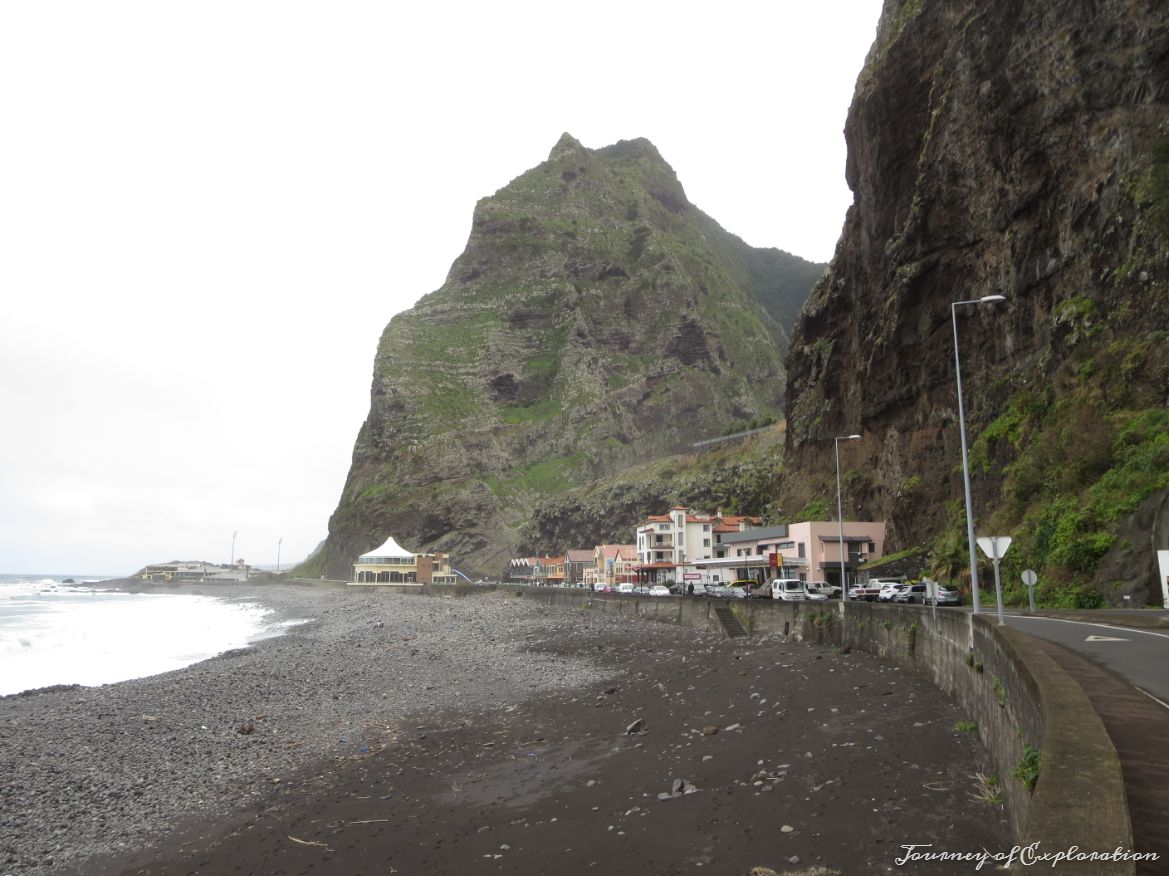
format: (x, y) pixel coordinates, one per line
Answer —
(418, 735)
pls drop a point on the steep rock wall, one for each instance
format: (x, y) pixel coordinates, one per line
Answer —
(997, 148)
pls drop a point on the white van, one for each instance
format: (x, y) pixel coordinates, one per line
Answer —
(787, 589)
(627, 587)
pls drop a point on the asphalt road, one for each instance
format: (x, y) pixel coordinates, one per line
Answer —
(1141, 656)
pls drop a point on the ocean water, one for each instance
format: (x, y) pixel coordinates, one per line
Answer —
(53, 633)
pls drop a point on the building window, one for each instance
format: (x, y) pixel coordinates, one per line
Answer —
(803, 551)
(706, 542)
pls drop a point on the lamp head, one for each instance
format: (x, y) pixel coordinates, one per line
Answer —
(991, 299)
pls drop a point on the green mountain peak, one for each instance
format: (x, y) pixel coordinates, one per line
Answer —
(595, 320)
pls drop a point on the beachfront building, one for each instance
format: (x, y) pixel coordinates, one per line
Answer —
(809, 551)
(668, 545)
(391, 564)
(196, 572)
(576, 562)
(537, 571)
(613, 564)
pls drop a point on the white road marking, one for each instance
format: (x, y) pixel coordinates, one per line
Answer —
(1104, 639)
(1090, 624)
(1153, 698)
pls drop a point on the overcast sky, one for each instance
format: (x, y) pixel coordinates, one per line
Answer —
(209, 212)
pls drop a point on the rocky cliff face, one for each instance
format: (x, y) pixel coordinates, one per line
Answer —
(1016, 149)
(595, 320)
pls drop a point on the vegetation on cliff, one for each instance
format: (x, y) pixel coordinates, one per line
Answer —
(740, 478)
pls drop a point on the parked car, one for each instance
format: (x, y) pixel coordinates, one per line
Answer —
(814, 594)
(947, 595)
(889, 588)
(743, 587)
(912, 593)
(737, 589)
(659, 590)
(787, 589)
(697, 588)
(867, 592)
(829, 591)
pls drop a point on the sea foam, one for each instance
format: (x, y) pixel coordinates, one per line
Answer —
(52, 634)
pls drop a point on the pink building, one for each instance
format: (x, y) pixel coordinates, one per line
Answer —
(810, 551)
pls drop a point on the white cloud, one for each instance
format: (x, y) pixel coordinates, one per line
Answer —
(208, 213)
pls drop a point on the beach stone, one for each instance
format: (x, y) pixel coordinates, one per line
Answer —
(636, 728)
(709, 730)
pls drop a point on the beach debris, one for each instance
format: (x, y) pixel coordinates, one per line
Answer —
(150, 717)
(247, 728)
(733, 727)
(309, 843)
(637, 728)
(677, 788)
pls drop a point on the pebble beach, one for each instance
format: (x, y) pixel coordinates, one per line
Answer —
(401, 733)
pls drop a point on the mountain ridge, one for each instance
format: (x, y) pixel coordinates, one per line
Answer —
(596, 319)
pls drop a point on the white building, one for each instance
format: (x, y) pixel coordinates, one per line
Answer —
(669, 545)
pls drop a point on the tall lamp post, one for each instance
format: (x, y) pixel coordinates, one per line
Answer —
(985, 299)
(233, 535)
(840, 515)
(279, 542)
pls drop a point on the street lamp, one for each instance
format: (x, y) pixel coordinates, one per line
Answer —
(233, 535)
(985, 299)
(840, 515)
(279, 542)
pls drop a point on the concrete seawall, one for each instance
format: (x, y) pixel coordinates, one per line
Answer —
(1034, 720)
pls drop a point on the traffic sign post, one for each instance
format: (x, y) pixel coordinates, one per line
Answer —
(995, 547)
(1029, 578)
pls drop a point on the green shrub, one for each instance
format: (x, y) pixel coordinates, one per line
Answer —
(1027, 771)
